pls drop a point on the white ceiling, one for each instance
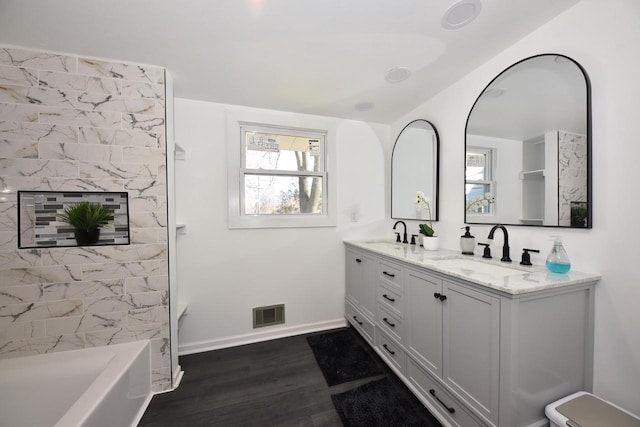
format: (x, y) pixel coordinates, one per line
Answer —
(309, 56)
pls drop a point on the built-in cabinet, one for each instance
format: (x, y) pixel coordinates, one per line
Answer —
(473, 355)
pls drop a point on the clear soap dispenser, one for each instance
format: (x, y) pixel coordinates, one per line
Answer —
(558, 260)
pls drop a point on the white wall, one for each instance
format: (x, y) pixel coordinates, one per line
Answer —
(223, 273)
(604, 38)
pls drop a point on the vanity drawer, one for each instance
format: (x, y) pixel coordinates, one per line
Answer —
(390, 298)
(390, 323)
(390, 273)
(440, 400)
(360, 322)
(390, 351)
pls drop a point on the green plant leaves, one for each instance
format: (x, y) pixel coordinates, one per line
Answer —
(86, 216)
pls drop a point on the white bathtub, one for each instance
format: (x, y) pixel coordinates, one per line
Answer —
(103, 386)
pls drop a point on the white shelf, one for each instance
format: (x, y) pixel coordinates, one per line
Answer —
(532, 174)
(179, 153)
(182, 309)
(532, 220)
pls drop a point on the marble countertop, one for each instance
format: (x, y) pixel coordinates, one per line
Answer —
(511, 278)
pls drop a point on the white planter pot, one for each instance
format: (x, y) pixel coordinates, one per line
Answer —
(431, 243)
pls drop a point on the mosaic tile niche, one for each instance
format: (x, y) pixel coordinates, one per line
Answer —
(77, 124)
(39, 225)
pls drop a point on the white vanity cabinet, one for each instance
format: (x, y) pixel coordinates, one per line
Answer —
(475, 354)
(452, 333)
(360, 305)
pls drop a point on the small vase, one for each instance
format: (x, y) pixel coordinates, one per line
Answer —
(87, 237)
(430, 243)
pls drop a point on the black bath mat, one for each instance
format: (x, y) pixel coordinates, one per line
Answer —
(342, 356)
(382, 403)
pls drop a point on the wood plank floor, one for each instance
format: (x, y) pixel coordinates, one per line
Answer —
(273, 383)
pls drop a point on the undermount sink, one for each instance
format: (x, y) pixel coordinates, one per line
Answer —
(386, 244)
(483, 267)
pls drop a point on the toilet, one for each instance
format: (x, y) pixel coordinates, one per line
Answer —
(583, 409)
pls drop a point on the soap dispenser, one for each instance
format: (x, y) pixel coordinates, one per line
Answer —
(558, 260)
(467, 242)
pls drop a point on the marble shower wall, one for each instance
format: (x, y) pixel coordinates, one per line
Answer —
(70, 123)
(572, 173)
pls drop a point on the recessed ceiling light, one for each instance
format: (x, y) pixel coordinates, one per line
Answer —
(364, 106)
(397, 74)
(494, 92)
(461, 13)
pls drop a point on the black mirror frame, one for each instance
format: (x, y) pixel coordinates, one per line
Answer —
(436, 211)
(589, 144)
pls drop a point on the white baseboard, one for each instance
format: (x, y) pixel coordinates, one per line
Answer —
(273, 333)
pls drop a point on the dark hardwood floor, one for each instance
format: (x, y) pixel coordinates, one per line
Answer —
(273, 383)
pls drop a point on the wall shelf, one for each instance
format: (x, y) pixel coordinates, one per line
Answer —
(182, 309)
(179, 153)
(532, 221)
(532, 174)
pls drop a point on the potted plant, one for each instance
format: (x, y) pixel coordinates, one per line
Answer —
(430, 241)
(86, 219)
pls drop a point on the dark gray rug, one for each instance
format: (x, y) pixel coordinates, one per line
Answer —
(342, 356)
(382, 403)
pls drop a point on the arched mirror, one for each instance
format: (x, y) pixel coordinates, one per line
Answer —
(414, 168)
(528, 147)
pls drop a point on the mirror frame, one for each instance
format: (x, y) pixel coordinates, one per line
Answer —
(434, 212)
(589, 145)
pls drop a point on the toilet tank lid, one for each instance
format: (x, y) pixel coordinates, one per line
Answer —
(586, 410)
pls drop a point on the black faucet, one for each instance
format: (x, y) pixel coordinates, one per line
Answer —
(404, 240)
(505, 246)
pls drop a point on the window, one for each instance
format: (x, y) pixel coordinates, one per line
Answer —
(282, 176)
(479, 184)
(282, 171)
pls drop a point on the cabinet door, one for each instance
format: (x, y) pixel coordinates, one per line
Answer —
(471, 328)
(361, 282)
(423, 320)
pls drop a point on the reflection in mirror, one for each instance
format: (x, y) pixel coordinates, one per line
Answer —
(414, 167)
(528, 145)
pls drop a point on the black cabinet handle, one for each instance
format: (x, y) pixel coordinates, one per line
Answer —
(440, 296)
(450, 409)
(358, 260)
(387, 298)
(388, 274)
(356, 319)
(391, 352)
(393, 325)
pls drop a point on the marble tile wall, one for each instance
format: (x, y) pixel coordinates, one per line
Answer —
(572, 173)
(69, 123)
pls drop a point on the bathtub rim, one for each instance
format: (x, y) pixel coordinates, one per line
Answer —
(122, 357)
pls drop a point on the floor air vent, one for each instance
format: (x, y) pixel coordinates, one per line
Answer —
(268, 315)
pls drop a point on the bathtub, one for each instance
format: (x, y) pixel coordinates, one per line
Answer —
(95, 387)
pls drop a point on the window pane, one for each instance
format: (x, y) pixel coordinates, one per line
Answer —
(268, 194)
(478, 165)
(476, 198)
(282, 152)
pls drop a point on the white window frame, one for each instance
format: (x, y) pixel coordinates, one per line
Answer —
(274, 122)
(490, 156)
